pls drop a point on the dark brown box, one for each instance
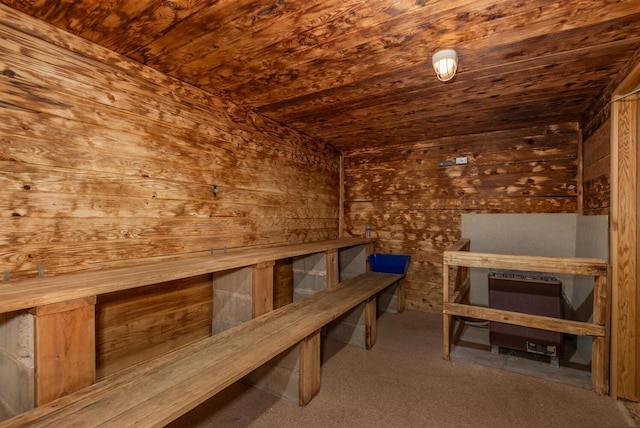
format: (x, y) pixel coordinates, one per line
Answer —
(528, 293)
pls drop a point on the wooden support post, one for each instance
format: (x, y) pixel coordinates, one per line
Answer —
(333, 269)
(446, 319)
(371, 323)
(401, 296)
(309, 380)
(64, 348)
(341, 199)
(600, 346)
(625, 246)
(369, 251)
(262, 288)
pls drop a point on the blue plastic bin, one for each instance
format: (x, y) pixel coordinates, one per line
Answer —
(389, 263)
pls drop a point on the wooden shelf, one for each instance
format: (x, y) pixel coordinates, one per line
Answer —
(29, 293)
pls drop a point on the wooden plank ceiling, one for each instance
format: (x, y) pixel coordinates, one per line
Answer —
(358, 74)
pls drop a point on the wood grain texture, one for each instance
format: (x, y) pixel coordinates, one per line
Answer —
(136, 325)
(357, 74)
(415, 207)
(560, 265)
(155, 393)
(601, 347)
(262, 276)
(309, 368)
(64, 346)
(28, 293)
(371, 323)
(108, 163)
(105, 160)
(283, 283)
(625, 362)
(535, 321)
(597, 171)
(459, 259)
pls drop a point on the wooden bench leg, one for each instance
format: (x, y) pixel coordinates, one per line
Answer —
(64, 348)
(358, 327)
(371, 323)
(401, 296)
(309, 368)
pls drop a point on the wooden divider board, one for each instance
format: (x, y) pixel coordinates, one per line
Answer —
(64, 348)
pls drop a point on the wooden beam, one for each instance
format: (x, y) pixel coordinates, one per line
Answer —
(580, 178)
(625, 350)
(516, 318)
(600, 347)
(461, 294)
(463, 244)
(341, 200)
(569, 265)
(446, 318)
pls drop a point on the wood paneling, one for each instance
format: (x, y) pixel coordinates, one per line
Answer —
(414, 206)
(139, 324)
(357, 74)
(597, 171)
(105, 160)
(282, 283)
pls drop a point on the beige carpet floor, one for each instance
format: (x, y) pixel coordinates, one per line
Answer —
(404, 382)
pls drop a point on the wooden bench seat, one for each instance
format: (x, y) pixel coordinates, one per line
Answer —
(33, 292)
(160, 390)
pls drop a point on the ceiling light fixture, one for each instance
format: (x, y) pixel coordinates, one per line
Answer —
(445, 63)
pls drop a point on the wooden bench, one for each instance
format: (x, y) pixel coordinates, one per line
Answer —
(70, 302)
(158, 391)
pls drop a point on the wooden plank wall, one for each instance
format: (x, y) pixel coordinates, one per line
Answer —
(414, 206)
(136, 325)
(282, 283)
(597, 171)
(106, 162)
